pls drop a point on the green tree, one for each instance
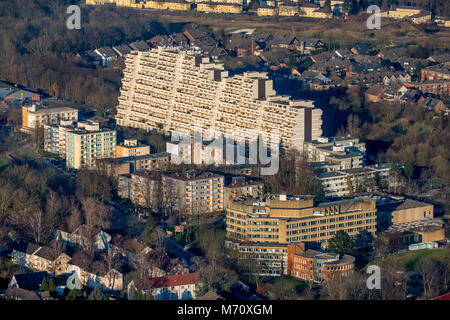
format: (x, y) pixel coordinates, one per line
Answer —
(51, 286)
(409, 170)
(44, 285)
(342, 243)
(147, 234)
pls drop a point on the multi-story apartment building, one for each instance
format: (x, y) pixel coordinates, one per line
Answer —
(194, 193)
(127, 165)
(88, 143)
(219, 7)
(33, 116)
(346, 152)
(436, 72)
(416, 15)
(119, 3)
(314, 265)
(174, 89)
(185, 192)
(268, 227)
(55, 137)
(147, 189)
(267, 11)
(355, 180)
(175, 5)
(438, 87)
(131, 148)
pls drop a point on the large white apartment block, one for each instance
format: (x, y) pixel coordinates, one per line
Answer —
(175, 90)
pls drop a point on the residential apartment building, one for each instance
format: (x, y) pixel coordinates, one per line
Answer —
(355, 180)
(185, 192)
(346, 152)
(314, 265)
(127, 165)
(268, 227)
(175, 90)
(210, 7)
(175, 5)
(131, 148)
(195, 193)
(416, 15)
(34, 115)
(55, 137)
(436, 72)
(88, 143)
(146, 189)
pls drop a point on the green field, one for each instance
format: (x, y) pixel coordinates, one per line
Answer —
(407, 260)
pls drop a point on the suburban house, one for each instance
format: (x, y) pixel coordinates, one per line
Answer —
(175, 287)
(127, 247)
(95, 276)
(28, 281)
(40, 258)
(84, 237)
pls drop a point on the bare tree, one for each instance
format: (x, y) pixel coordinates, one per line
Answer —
(96, 213)
(429, 271)
(141, 263)
(34, 221)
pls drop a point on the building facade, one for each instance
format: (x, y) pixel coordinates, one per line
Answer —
(88, 143)
(34, 116)
(131, 148)
(176, 90)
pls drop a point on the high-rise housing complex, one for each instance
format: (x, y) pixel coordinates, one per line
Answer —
(87, 143)
(174, 90)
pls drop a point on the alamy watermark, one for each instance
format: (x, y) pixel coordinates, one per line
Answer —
(374, 20)
(374, 280)
(74, 20)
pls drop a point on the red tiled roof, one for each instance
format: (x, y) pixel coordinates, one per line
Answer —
(176, 280)
(443, 297)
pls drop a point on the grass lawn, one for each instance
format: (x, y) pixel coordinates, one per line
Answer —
(50, 155)
(297, 283)
(407, 260)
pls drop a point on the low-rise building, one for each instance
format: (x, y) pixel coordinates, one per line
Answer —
(130, 148)
(34, 116)
(347, 152)
(240, 186)
(398, 210)
(84, 237)
(314, 265)
(40, 258)
(175, 5)
(218, 7)
(127, 165)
